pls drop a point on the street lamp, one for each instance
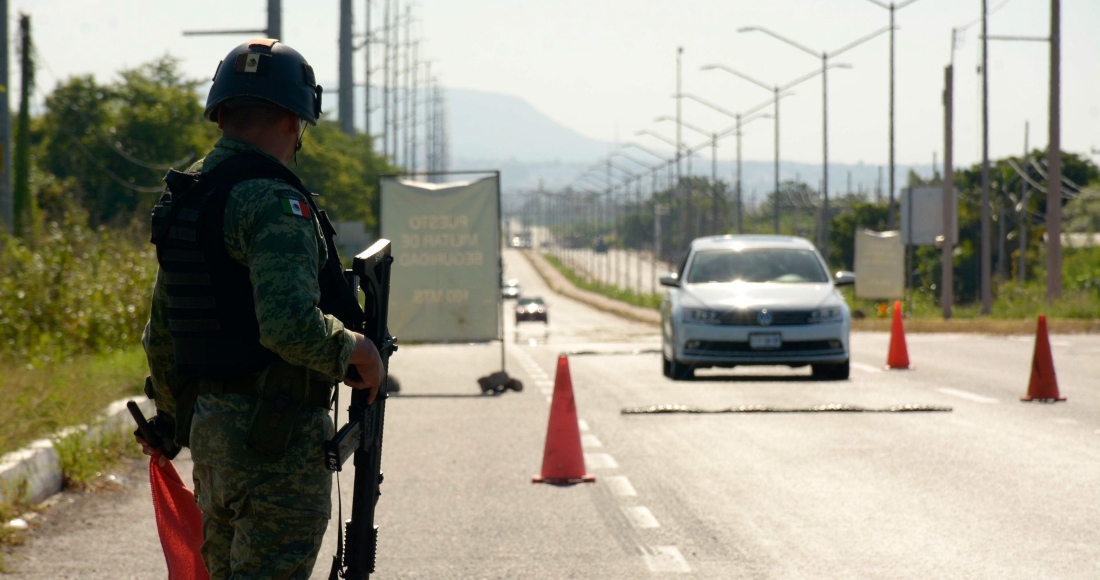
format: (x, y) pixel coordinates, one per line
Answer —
(713, 165)
(892, 7)
(777, 91)
(823, 231)
(742, 119)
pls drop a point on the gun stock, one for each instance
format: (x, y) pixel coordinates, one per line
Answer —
(361, 437)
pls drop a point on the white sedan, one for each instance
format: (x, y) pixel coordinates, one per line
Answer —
(754, 300)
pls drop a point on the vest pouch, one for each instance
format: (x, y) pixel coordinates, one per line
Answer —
(281, 390)
(185, 392)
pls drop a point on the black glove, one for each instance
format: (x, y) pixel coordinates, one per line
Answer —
(164, 431)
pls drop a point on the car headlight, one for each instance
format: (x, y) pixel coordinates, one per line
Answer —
(700, 316)
(826, 315)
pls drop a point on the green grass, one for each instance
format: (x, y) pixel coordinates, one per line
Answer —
(85, 455)
(40, 401)
(644, 300)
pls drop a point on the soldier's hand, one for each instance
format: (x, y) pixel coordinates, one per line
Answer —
(368, 366)
(151, 451)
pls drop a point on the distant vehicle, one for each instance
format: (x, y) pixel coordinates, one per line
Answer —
(531, 309)
(511, 289)
(601, 245)
(754, 300)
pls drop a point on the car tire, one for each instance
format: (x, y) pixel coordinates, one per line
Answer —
(831, 372)
(679, 371)
(666, 367)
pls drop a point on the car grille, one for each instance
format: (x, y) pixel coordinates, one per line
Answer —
(717, 347)
(752, 318)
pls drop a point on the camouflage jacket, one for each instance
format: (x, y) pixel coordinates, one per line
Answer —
(284, 253)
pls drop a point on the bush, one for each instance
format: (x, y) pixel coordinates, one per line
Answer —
(73, 291)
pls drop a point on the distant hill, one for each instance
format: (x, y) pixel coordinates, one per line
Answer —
(531, 150)
(486, 126)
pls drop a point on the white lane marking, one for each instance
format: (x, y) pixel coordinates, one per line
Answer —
(590, 441)
(1066, 421)
(665, 559)
(967, 395)
(621, 486)
(640, 517)
(544, 383)
(865, 368)
(582, 424)
(600, 461)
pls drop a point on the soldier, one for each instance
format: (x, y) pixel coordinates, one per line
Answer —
(242, 341)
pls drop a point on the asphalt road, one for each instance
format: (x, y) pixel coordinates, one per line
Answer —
(995, 488)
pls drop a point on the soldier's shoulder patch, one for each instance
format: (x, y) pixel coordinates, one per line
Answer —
(293, 206)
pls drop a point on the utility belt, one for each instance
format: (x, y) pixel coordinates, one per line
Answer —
(282, 391)
(318, 394)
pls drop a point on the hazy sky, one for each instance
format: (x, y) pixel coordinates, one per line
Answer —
(607, 68)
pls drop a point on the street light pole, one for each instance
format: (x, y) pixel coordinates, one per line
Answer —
(1054, 158)
(892, 7)
(823, 231)
(986, 267)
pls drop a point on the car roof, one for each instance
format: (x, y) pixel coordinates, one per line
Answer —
(750, 241)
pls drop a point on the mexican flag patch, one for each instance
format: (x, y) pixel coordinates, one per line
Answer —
(295, 207)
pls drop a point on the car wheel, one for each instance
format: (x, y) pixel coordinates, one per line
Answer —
(831, 372)
(679, 371)
(666, 367)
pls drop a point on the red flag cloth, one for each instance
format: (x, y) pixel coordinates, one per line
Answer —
(179, 522)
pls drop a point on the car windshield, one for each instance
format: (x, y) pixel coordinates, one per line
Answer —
(785, 265)
(526, 301)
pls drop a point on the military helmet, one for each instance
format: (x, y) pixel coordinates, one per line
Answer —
(265, 71)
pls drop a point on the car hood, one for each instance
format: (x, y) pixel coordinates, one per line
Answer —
(758, 295)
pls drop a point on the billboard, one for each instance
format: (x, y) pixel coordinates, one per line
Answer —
(445, 281)
(923, 208)
(879, 265)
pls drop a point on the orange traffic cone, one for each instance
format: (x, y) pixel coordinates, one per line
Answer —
(1043, 385)
(562, 460)
(898, 357)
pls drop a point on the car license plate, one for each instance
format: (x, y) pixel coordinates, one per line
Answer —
(765, 341)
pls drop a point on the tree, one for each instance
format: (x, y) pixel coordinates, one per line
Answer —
(344, 171)
(116, 141)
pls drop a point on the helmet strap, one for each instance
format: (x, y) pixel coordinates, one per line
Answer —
(298, 145)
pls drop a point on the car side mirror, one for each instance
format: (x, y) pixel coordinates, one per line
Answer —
(844, 278)
(670, 280)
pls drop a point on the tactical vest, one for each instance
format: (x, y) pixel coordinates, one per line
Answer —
(211, 311)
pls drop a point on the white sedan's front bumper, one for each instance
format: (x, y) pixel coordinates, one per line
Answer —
(703, 345)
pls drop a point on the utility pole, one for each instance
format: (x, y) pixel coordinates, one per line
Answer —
(1054, 158)
(274, 19)
(23, 200)
(386, 80)
(346, 95)
(406, 118)
(740, 202)
(7, 220)
(274, 27)
(775, 210)
(415, 96)
(1021, 274)
(368, 46)
(986, 266)
(947, 254)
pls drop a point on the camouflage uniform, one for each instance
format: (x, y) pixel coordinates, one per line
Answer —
(262, 518)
